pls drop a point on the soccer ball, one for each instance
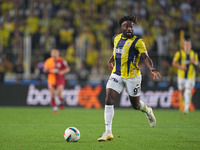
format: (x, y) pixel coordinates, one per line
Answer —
(72, 134)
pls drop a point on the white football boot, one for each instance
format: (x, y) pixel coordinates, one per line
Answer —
(106, 136)
(151, 118)
(185, 112)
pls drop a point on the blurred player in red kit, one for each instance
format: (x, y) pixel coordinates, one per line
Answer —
(56, 67)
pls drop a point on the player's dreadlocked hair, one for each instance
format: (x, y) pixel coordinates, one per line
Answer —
(128, 18)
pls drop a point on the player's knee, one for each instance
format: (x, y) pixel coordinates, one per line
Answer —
(111, 95)
(137, 107)
(109, 100)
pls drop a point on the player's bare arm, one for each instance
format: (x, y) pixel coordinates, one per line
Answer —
(45, 70)
(149, 64)
(177, 65)
(110, 63)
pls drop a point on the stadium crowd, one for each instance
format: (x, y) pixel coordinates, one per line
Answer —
(88, 26)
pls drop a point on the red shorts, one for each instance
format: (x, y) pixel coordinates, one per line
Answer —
(60, 82)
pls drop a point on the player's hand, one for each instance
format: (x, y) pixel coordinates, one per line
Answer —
(46, 70)
(61, 73)
(156, 74)
(110, 66)
(194, 62)
(183, 67)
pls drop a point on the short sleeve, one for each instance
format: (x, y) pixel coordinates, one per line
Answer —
(113, 38)
(65, 64)
(46, 64)
(140, 46)
(176, 56)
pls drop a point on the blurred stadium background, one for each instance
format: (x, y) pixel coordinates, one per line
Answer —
(82, 30)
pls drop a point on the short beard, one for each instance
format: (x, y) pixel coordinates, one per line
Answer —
(129, 36)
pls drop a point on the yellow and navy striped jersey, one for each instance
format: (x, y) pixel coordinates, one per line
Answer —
(126, 52)
(184, 59)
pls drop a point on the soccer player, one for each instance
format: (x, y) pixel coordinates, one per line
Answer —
(126, 74)
(186, 60)
(56, 67)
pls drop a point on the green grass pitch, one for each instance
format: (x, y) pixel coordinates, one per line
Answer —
(37, 128)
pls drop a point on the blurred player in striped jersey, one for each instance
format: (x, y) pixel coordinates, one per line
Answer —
(186, 60)
(56, 67)
(126, 74)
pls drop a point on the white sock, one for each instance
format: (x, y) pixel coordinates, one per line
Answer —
(55, 108)
(187, 97)
(143, 107)
(108, 116)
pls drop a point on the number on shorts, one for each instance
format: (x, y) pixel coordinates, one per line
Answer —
(136, 90)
